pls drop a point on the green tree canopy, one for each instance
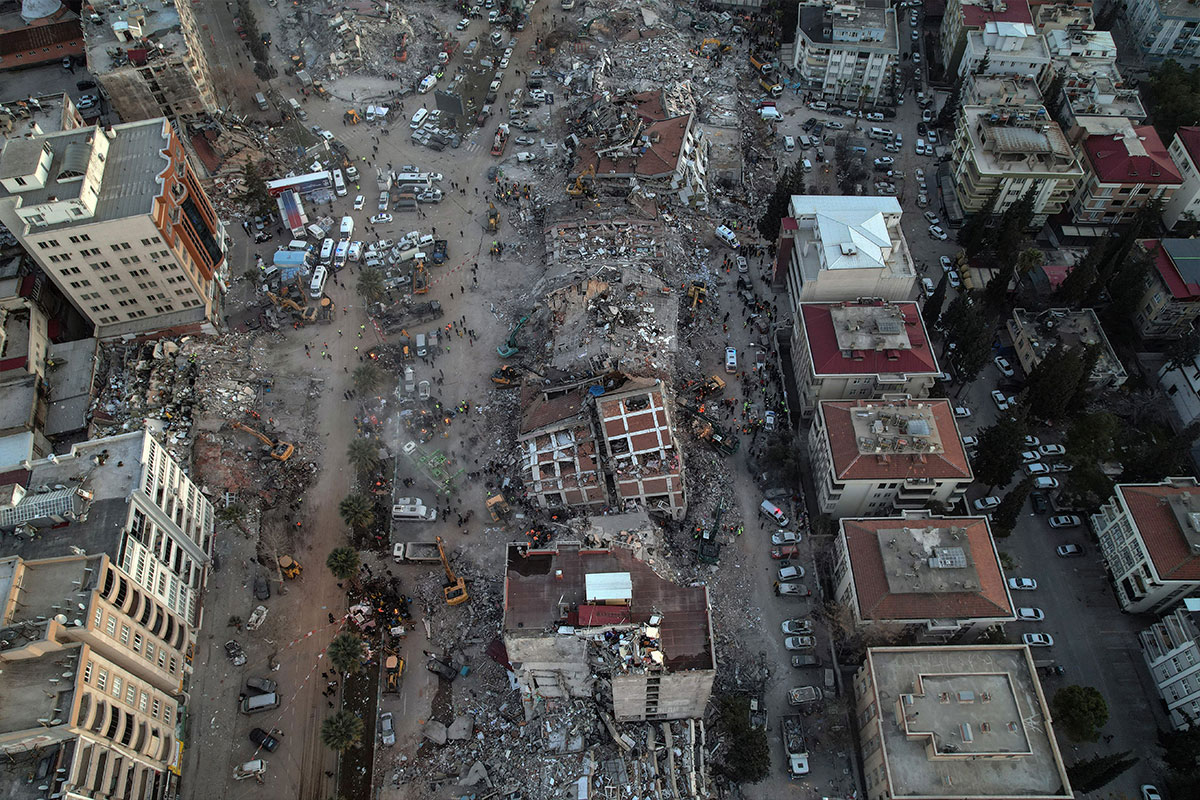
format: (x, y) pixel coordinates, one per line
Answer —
(790, 182)
(970, 332)
(1000, 450)
(346, 653)
(370, 284)
(342, 731)
(363, 455)
(357, 511)
(1080, 711)
(367, 377)
(1093, 773)
(1055, 382)
(931, 312)
(1004, 519)
(1173, 97)
(343, 562)
(747, 759)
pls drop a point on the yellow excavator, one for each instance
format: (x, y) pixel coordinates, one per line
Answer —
(280, 450)
(455, 588)
(493, 223)
(698, 291)
(578, 188)
(303, 313)
(420, 279)
(290, 567)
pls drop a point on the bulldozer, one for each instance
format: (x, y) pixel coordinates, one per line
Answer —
(506, 376)
(280, 450)
(497, 507)
(455, 588)
(290, 567)
(493, 219)
(579, 188)
(351, 116)
(393, 666)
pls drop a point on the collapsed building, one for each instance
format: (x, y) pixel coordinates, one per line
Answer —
(580, 622)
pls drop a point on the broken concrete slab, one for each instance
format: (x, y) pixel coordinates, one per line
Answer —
(461, 727)
(475, 775)
(434, 731)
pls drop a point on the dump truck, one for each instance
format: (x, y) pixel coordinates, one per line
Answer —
(791, 730)
(416, 552)
(500, 140)
(799, 695)
(770, 87)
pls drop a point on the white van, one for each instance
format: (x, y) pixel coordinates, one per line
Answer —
(256, 703)
(296, 109)
(317, 287)
(727, 236)
(347, 227)
(427, 83)
(327, 250)
(819, 105)
(418, 118)
(355, 253)
(789, 143)
(770, 114)
(422, 351)
(414, 513)
(769, 509)
(339, 183)
(298, 244)
(880, 134)
(340, 254)
(807, 165)
(316, 231)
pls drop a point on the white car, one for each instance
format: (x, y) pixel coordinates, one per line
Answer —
(946, 263)
(916, 59)
(1045, 483)
(1030, 614)
(523, 140)
(524, 156)
(1002, 364)
(932, 219)
(916, 36)
(380, 218)
(504, 63)
(742, 264)
(359, 202)
(383, 201)
(791, 573)
(462, 24)
(326, 135)
(1038, 639)
(953, 279)
(1000, 400)
(785, 537)
(835, 125)
(1022, 584)
(1029, 456)
(731, 359)
(987, 503)
(885, 161)
(1032, 441)
(970, 441)
(1052, 450)
(1036, 468)
(937, 233)
(387, 729)
(1065, 521)
(962, 412)
(435, 176)
(769, 421)
(1150, 792)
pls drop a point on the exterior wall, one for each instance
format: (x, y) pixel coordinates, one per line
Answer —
(841, 73)
(1160, 315)
(1185, 204)
(633, 438)
(549, 667)
(1114, 203)
(1182, 387)
(563, 463)
(1160, 36)
(655, 696)
(61, 39)
(1172, 655)
(953, 37)
(870, 730)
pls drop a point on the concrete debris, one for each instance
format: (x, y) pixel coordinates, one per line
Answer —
(461, 727)
(434, 731)
(476, 775)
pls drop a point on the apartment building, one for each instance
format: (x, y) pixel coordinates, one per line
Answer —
(123, 496)
(874, 458)
(1163, 29)
(1150, 537)
(150, 61)
(1005, 48)
(1012, 149)
(846, 51)
(842, 248)
(1181, 385)
(36, 32)
(1171, 302)
(861, 349)
(1075, 50)
(1035, 333)
(1060, 16)
(1125, 167)
(641, 452)
(935, 579)
(35, 116)
(559, 448)
(1184, 205)
(965, 16)
(583, 620)
(118, 219)
(956, 723)
(1011, 91)
(1171, 648)
(1099, 92)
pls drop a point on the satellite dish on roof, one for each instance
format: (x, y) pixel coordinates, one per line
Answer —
(37, 9)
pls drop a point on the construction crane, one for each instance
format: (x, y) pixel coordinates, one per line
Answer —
(280, 450)
(578, 188)
(493, 222)
(455, 588)
(509, 348)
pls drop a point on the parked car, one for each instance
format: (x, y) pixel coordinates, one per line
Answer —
(262, 589)
(235, 653)
(1061, 468)
(970, 441)
(1052, 450)
(1040, 504)
(800, 643)
(1149, 792)
(1038, 639)
(1036, 469)
(1068, 550)
(1022, 584)
(785, 537)
(383, 201)
(263, 739)
(792, 589)
(381, 218)
(946, 263)
(1029, 456)
(791, 573)
(962, 412)
(1030, 614)
(932, 218)
(261, 685)
(387, 731)
(797, 626)
(799, 661)
(1045, 483)
(953, 279)
(359, 202)
(1002, 364)
(987, 503)
(937, 233)
(789, 551)
(1001, 401)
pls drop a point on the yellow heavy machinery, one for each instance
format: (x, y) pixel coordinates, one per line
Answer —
(302, 313)
(579, 188)
(420, 279)
(351, 116)
(493, 223)
(763, 66)
(280, 450)
(290, 567)
(393, 666)
(698, 291)
(497, 507)
(506, 376)
(455, 588)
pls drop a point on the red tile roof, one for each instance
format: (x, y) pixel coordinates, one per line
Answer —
(1180, 288)
(1189, 137)
(851, 465)
(1155, 520)
(876, 600)
(978, 16)
(540, 412)
(828, 359)
(658, 158)
(1113, 163)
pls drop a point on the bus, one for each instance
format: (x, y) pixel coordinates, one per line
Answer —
(301, 184)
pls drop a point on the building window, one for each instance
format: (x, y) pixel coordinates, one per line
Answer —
(102, 680)
(99, 618)
(117, 686)
(130, 695)
(125, 634)
(155, 708)
(149, 651)
(137, 643)
(142, 702)
(112, 625)
(87, 673)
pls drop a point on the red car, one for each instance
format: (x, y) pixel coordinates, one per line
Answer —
(784, 552)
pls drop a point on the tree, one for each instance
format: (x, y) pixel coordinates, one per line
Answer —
(1091, 439)
(790, 182)
(973, 235)
(984, 63)
(996, 292)
(1182, 352)
(1079, 281)
(1150, 459)
(357, 511)
(1080, 711)
(346, 653)
(947, 117)
(1004, 519)
(1092, 773)
(343, 563)
(748, 756)
(1173, 97)
(932, 311)
(342, 731)
(256, 196)
(1181, 749)
(1052, 97)
(367, 377)
(370, 284)
(363, 455)
(971, 334)
(1055, 382)
(1000, 451)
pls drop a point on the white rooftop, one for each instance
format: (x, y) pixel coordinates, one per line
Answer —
(852, 231)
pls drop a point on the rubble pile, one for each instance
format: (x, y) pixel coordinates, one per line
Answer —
(389, 44)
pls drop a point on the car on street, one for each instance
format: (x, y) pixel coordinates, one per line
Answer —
(788, 551)
(1045, 483)
(792, 589)
(1002, 364)
(1068, 550)
(462, 24)
(423, 390)
(383, 201)
(937, 233)
(797, 626)
(359, 202)
(1000, 399)
(791, 573)
(525, 156)
(953, 279)
(884, 161)
(1030, 614)
(262, 589)
(1040, 504)
(835, 125)
(524, 140)
(769, 421)
(87, 101)
(799, 642)
(916, 59)
(987, 503)
(785, 537)
(380, 218)
(1038, 639)
(916, 36)
(962, 412)
(387, 731)
(800, 661)
(1065, 521)
(1031, 441)
(1150, 792)
(326, 135)
(1061, 468)
(1052, 450)
(1036, 468)
(932, 219)
(263, 739)
(1022, 584)
(1030, 456)
(742, 264)
(731, 359)
(430, 196)
(947, 264)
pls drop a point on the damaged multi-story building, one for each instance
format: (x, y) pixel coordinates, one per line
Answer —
(557, 440)
(642, 454)
(635, 144)
(150, 61)
(578, 618)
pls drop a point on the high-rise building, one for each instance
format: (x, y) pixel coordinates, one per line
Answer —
(1163, 29)
(846, 51)
(119, 221)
